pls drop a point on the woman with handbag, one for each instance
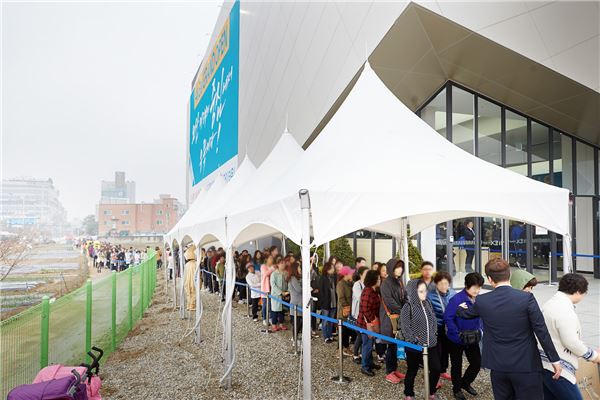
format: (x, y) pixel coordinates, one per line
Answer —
(344, 296)
(463, 337)
(419, 326)
(393, 298)
(368, 318)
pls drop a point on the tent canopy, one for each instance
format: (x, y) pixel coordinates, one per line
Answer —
(376, 162)
(374, 165)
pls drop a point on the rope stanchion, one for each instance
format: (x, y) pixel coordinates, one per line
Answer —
(248, 301)
(340, 378)
(426, 371)
(294, 312)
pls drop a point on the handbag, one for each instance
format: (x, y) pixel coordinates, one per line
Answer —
(470, 336)
(394, 320)
(346, 311)
(373, 326)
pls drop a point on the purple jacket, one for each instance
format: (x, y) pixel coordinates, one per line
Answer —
(456, 324)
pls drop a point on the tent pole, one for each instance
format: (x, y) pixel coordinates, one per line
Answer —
(306, 296)
(327, 251)
(174, 277)
(198, 300)
(567, 254)
(228, 331)
(404, 253)
(283, 246)
(181, 290)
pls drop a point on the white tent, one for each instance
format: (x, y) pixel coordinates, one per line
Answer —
(376, 162)
(376, 165)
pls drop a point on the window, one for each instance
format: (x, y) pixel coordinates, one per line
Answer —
(562, 163)
(584, 156)
(105, 222)
(125, 212)
(107, 212)
(158, 222)
(516, 143)
(540, 152)
(489, 129)
(462, 120)
(434, 113)
(124, 222)
(159, 212)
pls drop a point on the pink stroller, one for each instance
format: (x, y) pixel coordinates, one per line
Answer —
(60, 382)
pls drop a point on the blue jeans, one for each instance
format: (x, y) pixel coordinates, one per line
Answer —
(327, 326)
(367, 352)
(277, 317)
(560, 389)
(264, 308)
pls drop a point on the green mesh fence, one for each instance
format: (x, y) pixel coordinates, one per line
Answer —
(19, 348)
(57, 332)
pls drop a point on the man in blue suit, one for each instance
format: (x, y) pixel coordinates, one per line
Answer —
(511, 322)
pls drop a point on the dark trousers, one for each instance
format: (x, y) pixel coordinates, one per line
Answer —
(413, 360)
(391, 358)
(276, 317)
(358, 345)
(298, 322)
(517, 385)
(559, 389)
(444, 348)
(241, 289)
(347, 334)
(255, 307)
(460, 381)
(469, 261)
(380, 348)
(264, 308)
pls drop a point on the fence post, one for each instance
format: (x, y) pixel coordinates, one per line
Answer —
(340, 378)
(426, 371)
(142, 294)
(88, 319)
(114, 311)
(45, 332)
(130, 298)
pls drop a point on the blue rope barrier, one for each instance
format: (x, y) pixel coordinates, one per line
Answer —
(332, 320)
(383, 337)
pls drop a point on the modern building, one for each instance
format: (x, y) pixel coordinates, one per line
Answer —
(514, 83)
(118, 191)
(142, 219)
(33, 205)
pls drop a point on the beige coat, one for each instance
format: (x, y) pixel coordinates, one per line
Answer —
(190, 273)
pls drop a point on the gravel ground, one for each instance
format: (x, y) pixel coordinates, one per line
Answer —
(151, 363)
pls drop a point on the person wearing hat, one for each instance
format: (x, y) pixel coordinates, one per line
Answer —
(520, 279)
(344, 295)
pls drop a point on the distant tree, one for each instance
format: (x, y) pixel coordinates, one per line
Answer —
(89, 225)
(341, 249)
(12, 254)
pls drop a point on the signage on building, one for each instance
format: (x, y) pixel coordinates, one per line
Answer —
(213, 134)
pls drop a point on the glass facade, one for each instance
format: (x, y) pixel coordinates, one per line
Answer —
(505, 137)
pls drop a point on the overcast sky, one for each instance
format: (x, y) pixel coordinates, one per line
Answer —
(92, 88)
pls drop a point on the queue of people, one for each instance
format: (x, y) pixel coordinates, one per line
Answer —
(531, 353)
(116, 257)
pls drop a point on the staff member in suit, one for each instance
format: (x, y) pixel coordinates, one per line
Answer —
(469, 236)
(512, 319)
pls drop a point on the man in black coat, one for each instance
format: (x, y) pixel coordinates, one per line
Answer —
(511, 322)
(469, 236)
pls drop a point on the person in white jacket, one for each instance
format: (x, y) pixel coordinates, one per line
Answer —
(565, 331)
(357, 289)
(253, 280)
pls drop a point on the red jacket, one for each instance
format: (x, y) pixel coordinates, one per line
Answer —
(369, 307)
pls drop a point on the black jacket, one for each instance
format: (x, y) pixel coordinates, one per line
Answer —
(324, 295)
(511, 321)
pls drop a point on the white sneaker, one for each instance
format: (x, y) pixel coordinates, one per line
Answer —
(264, 322)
